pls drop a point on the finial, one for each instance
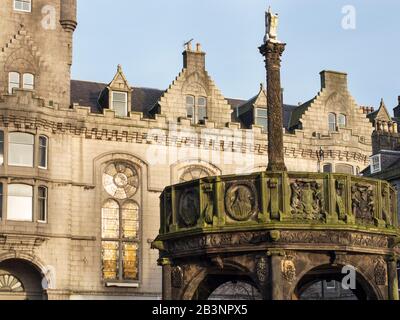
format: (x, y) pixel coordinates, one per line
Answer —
(188, 45)
(261, 86)
(119, 68)
(198, 47)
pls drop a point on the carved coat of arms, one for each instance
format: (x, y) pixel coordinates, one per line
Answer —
(307, 200)
(363, 203)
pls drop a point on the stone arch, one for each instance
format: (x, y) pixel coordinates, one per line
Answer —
(31, 272)
(180, 167)
(365, 287)
(207, 280)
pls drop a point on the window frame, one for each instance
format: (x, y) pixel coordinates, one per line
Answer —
(192, 117)
(46, 204)
(9, 162)
(24, 85)
(17, 85)
(258, 116)
(376, 167)
(121, 240)
(1, 201)
(126, 103)
(341, 125)
(46, 148)
(201, 106)
(23, 2)
(32, 202)
(331, 116)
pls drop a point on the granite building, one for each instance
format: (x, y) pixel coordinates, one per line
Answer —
(83, 163)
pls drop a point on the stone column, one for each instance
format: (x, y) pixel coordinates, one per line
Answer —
(166, 279)
(272, 51)
(393, 279)
(276, 285)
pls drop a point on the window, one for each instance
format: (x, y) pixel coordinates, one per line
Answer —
(194, 173)
(1, 147)
(332, 122)
(344, 168)
(120, 245)
(42, 203)
(19, 202)
(196, 112)
(1, 201)
(262, 118)
(23, 5)
(28, 81)
(13, 81)
(43, 146)
(190, 107)
(20, 151)
(376, 165)
(120, 103)
(331, 285)
(342, 121)
(328, 168)
(201, 109)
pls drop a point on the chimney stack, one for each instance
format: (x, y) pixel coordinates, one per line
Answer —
(194, 60)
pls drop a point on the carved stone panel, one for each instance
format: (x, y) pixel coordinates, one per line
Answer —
(288, 269)
(177, 277)
(380, 272)
(307, 200)
(188, 208)
(241, 201)
(363, 203)
(341, 199)
(386, 207)
(262, 270)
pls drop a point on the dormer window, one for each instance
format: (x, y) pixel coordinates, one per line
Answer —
(120, 103)
(261, 118)
(376, 164)
(23, 5)
(28, 81)
(13, 81)
(196, 112)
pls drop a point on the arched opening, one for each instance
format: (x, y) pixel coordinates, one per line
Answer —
(329, 283)
(227, 287)
(20, 280)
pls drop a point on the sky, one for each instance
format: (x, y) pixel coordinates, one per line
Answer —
(359, 37)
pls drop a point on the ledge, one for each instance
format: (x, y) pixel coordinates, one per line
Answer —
(122, 285)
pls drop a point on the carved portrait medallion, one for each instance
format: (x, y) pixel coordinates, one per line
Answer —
(241, 202)
(189, 208)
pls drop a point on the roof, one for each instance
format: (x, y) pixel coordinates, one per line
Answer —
(87, 93)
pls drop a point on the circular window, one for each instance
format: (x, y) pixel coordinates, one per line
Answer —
(121, 180)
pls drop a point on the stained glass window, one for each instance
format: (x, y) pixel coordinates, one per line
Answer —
(194, 173)
(120, 224)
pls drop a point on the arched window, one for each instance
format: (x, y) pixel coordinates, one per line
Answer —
(43, 149)
(20, 149)
(332, 122)
(20, 202)
(342, 121)
(42, 204)
(120, 241)
(28, 81)
(23, 5)
(194, 173)
(13, 81)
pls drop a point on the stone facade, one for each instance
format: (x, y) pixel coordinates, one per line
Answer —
(157, 139)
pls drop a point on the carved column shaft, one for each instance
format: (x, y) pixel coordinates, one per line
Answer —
(393, 280)
(276, 286)
(166, 279)
(272, 51)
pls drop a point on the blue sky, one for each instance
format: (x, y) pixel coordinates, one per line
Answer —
(147, 38)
